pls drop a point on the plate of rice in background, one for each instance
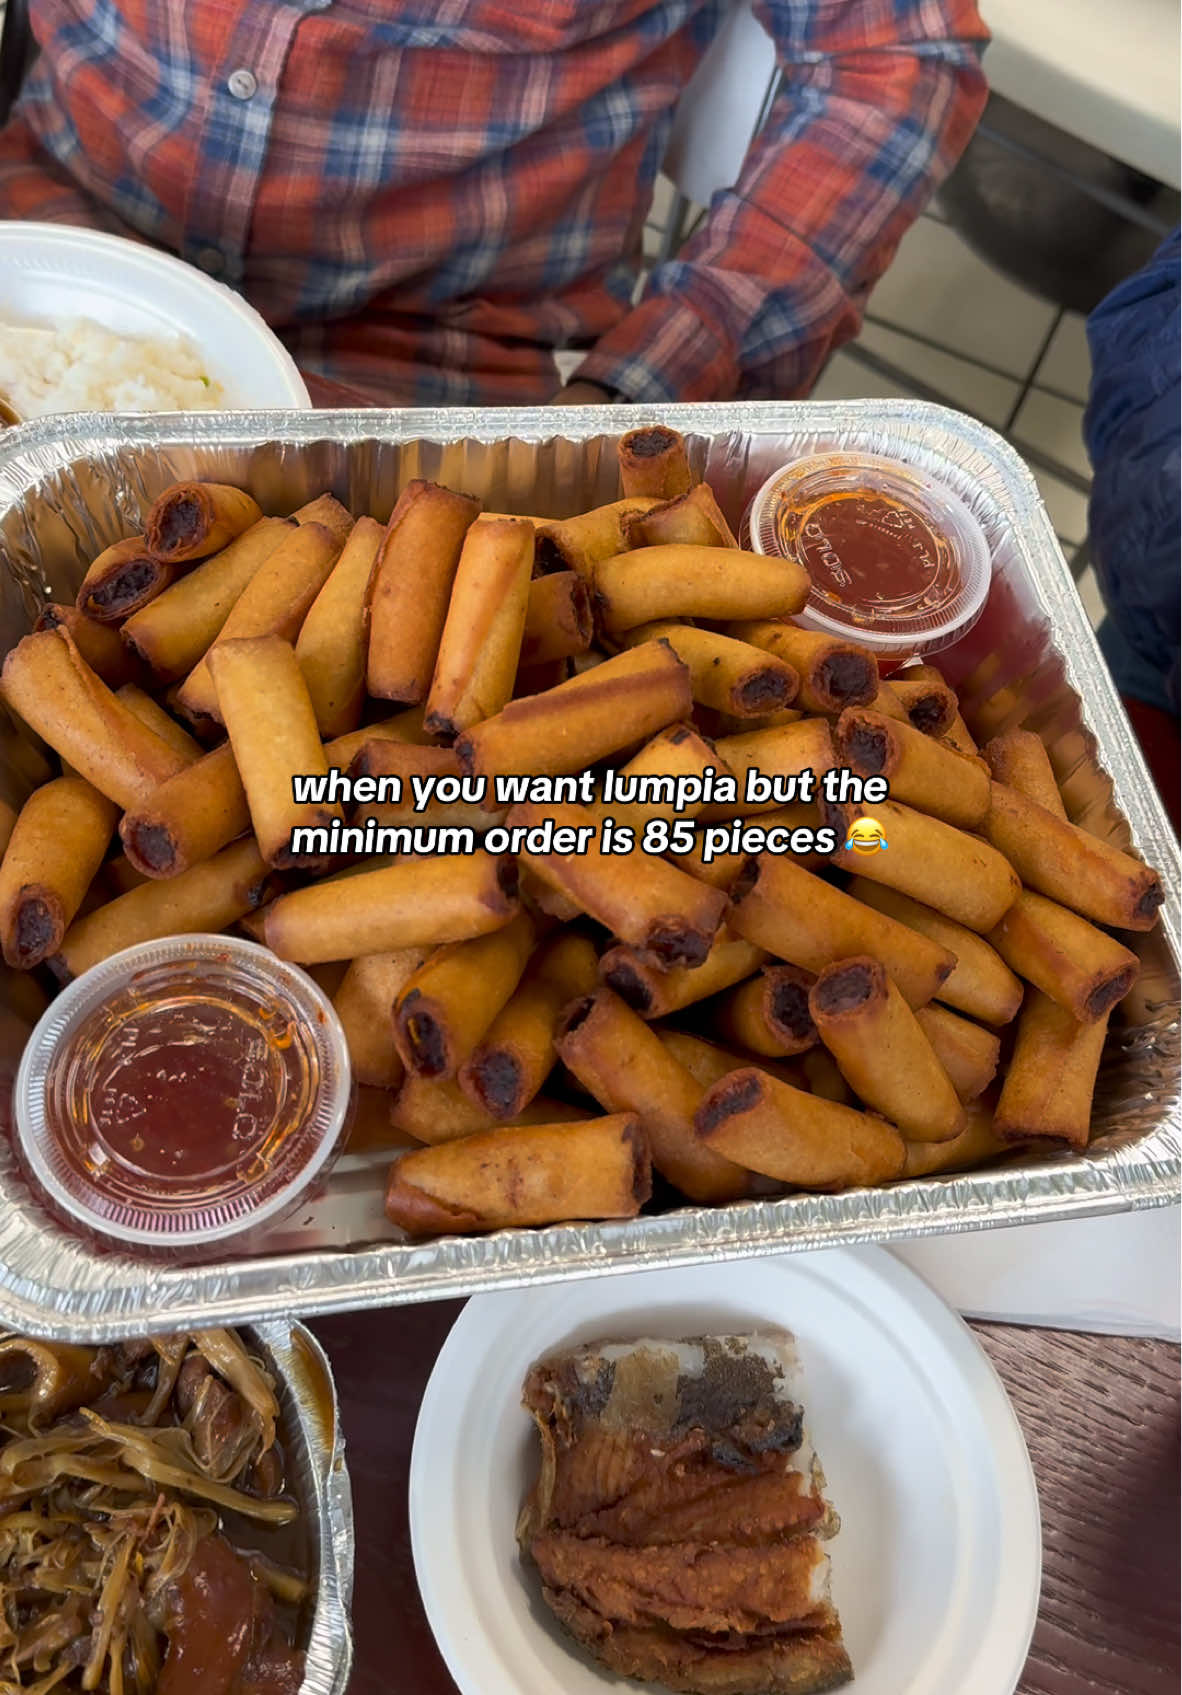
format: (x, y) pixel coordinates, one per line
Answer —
(91, 322)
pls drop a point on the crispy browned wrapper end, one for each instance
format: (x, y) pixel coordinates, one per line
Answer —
(192, 520)
(653, 462)
(411, 588)
(1065, 863)
(833, 674)
(654, 992)
(931, 706)
(188, 818)
(510, 1063)
(981, 984)
(1051, 1077)
(921, 771)
(57, 845)
(882, 1051)
(540, 1174)
(442, 1011)
(98, 644)
(727, 676)
(1082, 968)
(797, 1138)
(124, 577)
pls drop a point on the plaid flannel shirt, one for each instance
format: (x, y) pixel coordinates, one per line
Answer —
(427, 199)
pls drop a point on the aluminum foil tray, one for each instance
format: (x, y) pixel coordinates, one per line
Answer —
(69, 486)
(317, 1475)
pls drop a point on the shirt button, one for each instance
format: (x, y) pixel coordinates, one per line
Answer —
(211, 261)
(243, 85)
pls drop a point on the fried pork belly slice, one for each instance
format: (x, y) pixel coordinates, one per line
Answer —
(659, 1442)
(691, 1586)
(798, 1662)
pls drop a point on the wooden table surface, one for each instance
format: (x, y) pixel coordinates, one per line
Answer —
(1101, 1418)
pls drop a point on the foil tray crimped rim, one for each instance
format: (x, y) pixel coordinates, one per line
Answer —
(307, 1393)
(117, 1294)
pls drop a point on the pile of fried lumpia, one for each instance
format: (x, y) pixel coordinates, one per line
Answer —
(537, 1034)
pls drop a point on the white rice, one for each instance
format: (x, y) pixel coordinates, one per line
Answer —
(81, 367)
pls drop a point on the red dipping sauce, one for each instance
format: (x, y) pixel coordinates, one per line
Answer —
(179, 1098)
(897, 562)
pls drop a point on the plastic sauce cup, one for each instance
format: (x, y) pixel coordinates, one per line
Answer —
(898, 563)
(181, 1093)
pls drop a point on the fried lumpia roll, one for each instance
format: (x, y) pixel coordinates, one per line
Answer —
(1051, 1077)
(263, 702)
(440, 1111)
(412, 903)
(673, 759)
(921, 771)
(727, 675)
(833, 674)
(192, 520)
(212, 896)
(654, 993)
(57, 845)
(669, 917)
(977, 1142)
(936, 710)
(326, 509)
(705, 1061)
(513, 1058)
(333, 640)
(480, 646)
(364, 1003)
(189, 818)
(692, 520)
(881, 1050)
(1082, 968)
(47, 682)
(172, 633)
(558, 621)
(889, 704)
(99, 645)
(442, 1011)
(1019, 759)
(809, 923)
(721, 583)
(370, 1130)
(933, 862)
(415, 767)
(653, 462)
(274, 603)
(406, 726)
(621, 1060)
(1067, 864)
(798, 1138)
(769, 1014)
(780, 754)
(411, 588)
(623, 701)
(539, 1174)
(968, 1053)
(981, 983)
(124, 577)
(576, 544)
(151, 713)
(931, 706)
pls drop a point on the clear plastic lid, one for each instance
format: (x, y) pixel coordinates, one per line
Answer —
(898, 563)
(182, 1092)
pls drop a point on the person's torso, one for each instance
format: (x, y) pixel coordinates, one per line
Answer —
(460, 157)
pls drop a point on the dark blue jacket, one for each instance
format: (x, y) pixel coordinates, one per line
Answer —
(1132, 433)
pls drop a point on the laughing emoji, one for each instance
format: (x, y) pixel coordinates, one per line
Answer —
(866, 837)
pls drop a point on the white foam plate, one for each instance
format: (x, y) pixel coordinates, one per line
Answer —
(936, 1568)
(51, 272)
